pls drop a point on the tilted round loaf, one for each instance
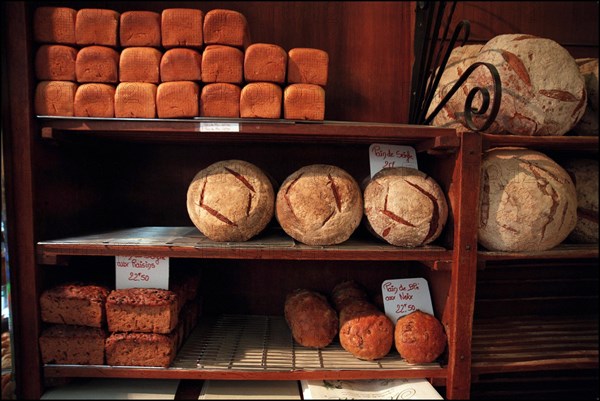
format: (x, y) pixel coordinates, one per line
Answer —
(584, 173)
(419, 337)
(405, 207)
(231, 200)
(543, 92)
(527, 201)
(319, 204)
(588, 125)
(311, 319)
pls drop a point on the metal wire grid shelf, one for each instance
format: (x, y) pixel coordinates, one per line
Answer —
(265, 343)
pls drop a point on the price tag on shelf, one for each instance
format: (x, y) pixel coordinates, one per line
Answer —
(219, 127)
(383, 156)
(142, 272)
(403, 296)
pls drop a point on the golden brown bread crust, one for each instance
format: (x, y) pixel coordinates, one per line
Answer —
(181, 64)
(75, 304)
(97, 64)
(96, 26)
(319, 204)
(94, 100)
(140, 64)
(220, 100)
(222, 63)
(307, 66)
(226, 27)
(71, 344)
(405, 207)
(230, 200)
(304, 102)
(265, 62)
(135, 100)
(310, 317)
(261, 100)
(54, 25)
(55, 63)
(55, 98)
(419, 337)
(139, 28)
(140, 349)
(182, 27)
(177, 99)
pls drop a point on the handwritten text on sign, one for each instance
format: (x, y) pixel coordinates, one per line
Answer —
(403, 296)
(384, 156)
(142, 272)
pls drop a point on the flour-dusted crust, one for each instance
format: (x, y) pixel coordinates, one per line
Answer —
(419, 337)
(543, 92)
(405, 207)
(584, 173)
(311, 319)
(319, 204)
(527, 201)
(231, 200)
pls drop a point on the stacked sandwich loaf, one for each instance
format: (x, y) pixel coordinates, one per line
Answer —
(177, 63)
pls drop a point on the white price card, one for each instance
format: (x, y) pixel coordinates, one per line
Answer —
(404, 296)
(219, 127)
(142, 272)
(383, 156)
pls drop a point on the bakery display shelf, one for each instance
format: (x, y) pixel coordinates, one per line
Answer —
(534, 343)
(543, 143)
(188, 242)
(424, 138)
(257, 347)
(561, 251)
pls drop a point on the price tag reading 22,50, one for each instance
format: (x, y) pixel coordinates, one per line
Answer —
(142, 272)
(404, 296)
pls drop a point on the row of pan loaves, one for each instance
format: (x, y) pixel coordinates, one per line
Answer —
(528, 202)
(545, 91)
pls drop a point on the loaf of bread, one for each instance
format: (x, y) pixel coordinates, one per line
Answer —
(307, 66)
(180, 64)
(55, 63)
(140, 64)
(72, 345)
(304, 102)
(55, 98)
(543, 92)
(96, 26)
(54, 25)
(145, 310)
(588, 124)
(177, 99)
(230, 200)
(261, 100)
(182, 27)
(220, 100)
(310, 317)
(135, 100)
(94, 100)
(97, 64)
(265, 62)
(222, 63)
(419, 337)
(405, 207)
(78, 304)
(140, 29)
(346, 292)
(319, 204)
(226, 27)
(584, 172)
(140, 349)
(527, 201)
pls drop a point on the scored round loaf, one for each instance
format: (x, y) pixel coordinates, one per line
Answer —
(405, 207)
(310, 317)
(543, 92)
(527, 201)
(584, 173)
(588, 125)
(419, 337)
(319, 204)
(230, 200)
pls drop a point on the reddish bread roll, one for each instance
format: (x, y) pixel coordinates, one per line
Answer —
(222, 63)
(226, 27)
(265, 62)
(55, 98)
(95, 100)
(261, 100)
(95, 26)
(311, 319)
(181, 64)
(182, 27)
(419, 337)
(140, 28)
(97, 64)
(135, 100)
(220, 100)
(140, 64)
(55, 63)
(347, 292)
(304, 102)
(54, 25)
(177, 99)
(307, 66)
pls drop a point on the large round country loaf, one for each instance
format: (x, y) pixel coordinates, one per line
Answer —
(527, 201)
(319, 204)
(419, 337)
(588, 125)
(543, 92)
(310, 317)
(584, 173)
(405, 207)
(231, 200)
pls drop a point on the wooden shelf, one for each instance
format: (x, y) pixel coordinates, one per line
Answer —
(188, 242)
(562, 251)
(542, 143)
(536, 343)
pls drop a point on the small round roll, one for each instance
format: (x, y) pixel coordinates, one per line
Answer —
(310, 317)
(419, 337)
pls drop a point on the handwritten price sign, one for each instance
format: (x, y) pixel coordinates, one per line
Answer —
(403, 296)
(384, 156)
(142, 272)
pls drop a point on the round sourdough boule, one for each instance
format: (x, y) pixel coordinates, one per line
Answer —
(543, 92)
(405, 207)
(584, 173)
(527, 201)
(319, 204)
(231, 200)
(311, 319)
(419, 337)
